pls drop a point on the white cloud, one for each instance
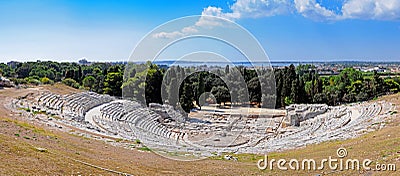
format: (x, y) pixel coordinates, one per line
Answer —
(261, 8)
(351, 9)
(266, 8)
(190, 29)
(168, 35)
(217, 12)
(372, 9)
(206, 20)
(312, 9)
(251, 9)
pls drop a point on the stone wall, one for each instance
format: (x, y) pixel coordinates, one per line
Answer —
(297, 113)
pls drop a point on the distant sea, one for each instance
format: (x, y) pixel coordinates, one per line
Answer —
(222, 64)
(265, 64)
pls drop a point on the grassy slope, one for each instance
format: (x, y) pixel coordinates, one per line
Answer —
(20, 138)
(382, 146)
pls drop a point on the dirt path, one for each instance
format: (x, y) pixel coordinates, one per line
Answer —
(22, 141)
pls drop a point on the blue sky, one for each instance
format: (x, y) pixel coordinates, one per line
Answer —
(288, 30)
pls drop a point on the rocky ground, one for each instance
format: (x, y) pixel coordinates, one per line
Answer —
(34, 148)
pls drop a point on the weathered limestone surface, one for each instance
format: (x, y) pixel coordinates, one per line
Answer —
(297, 113)
(163, 128)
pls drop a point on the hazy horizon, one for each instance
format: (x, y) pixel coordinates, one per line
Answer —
(238, 61)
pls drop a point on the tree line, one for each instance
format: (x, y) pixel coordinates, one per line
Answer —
(97, 77)
(185, 87)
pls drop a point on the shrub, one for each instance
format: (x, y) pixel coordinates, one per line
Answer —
(18, 81)
(71, 82)
(144, 149)
(46, 80)
(34, 81)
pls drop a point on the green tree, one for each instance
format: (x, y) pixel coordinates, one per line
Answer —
(113, 84)
(89, 82)
(227, 69)
(392, 85)
(46, 80)
(288, 101)
(221, 93)
(200, 89)
(153, 85)
(71, 82)
(295, 90)
(254, 88)
(186, 96)
(279, 85)
(24, 70)
(378, 86)
(320, 98)
(173, 92)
